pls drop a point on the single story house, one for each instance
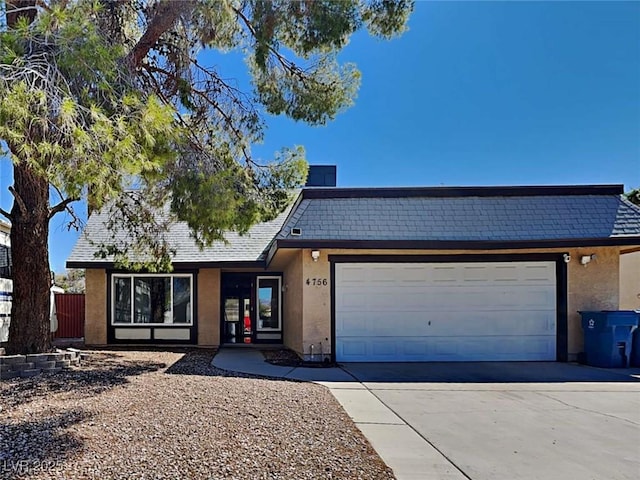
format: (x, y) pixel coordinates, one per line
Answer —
(630, 279)
(383, 274)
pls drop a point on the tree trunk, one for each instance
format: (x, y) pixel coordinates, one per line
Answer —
(29, 330)
(166, 14)
(20, 8)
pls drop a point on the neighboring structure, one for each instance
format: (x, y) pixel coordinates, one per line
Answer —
(383, 274)
(630, 279)
(6, 284)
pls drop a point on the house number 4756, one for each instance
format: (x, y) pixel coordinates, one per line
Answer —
(317, 282)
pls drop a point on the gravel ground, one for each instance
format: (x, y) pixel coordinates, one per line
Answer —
(170, 415)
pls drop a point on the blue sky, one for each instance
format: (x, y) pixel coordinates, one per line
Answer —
(475, 93)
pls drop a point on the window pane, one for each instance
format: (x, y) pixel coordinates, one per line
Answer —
(122, 300)
(152, 300)
(232, 310)
(181, 300)
(268, 307)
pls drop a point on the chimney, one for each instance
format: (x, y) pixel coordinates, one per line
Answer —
(321, 176)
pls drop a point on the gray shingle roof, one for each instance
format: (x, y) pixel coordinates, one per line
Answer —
(495, 214)
(239, 248)
(468, 218)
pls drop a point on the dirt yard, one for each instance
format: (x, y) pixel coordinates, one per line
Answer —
(170, 415)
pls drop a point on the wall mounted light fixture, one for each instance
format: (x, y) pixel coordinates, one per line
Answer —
(315, 254)
(585, 259)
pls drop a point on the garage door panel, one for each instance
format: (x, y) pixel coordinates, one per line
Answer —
(446, 349)
(539, 273)
(352, 324)
(353, 348)
(414, 348)
(384, 348)
(440, 312)
(444, 298)
(417, 323)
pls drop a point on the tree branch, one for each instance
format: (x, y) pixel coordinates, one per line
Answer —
(6, 214)
(63, 205)
(287, 64)
(42, 4)
(167, 12)
(20, 8)
(19, 201)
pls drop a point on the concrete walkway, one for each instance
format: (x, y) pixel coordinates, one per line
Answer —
(249, 360)
(398, 444)
(483, 421)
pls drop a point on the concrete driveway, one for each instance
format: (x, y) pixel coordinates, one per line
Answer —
(498, 420)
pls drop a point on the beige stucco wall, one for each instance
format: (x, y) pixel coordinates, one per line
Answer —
(307, 307)
(591, 287)
(209, 307)
(95, 313)
(316, 326)
(630, 281)
(292, 300)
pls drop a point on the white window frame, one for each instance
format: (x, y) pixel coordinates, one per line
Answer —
(279, 288)
(132, 277)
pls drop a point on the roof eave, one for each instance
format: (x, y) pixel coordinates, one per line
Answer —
(450, 192)
(457, 244)
(107, 265)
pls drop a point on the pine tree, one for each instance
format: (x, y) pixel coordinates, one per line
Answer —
(109, 101)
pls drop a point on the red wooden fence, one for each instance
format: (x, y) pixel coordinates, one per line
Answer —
(70, 313)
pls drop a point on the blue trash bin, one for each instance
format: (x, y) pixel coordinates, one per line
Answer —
(607, 337)
(635, 345)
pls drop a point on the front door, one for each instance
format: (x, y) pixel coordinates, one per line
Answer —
(241, 321)
(237, 308)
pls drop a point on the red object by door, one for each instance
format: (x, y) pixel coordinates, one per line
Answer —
(247, 327)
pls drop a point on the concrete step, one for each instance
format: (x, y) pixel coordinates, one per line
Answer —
(30, 373)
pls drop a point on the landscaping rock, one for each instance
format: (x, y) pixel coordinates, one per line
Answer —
(46, 365)
(165, 415)
(8, 374)
(11, 359)
(42, 357)
(23, 366)
(63, 364)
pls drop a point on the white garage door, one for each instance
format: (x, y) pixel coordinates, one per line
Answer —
(409, 312)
